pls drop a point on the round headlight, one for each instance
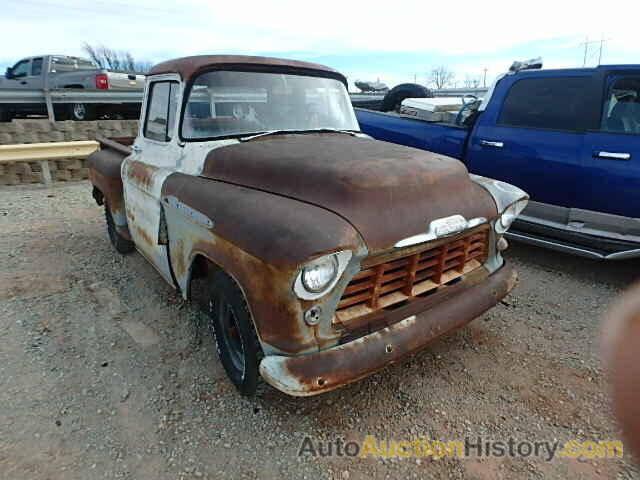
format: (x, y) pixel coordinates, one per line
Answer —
(509, 215)
(318, 274)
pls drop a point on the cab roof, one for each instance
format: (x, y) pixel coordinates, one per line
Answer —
(187, 67)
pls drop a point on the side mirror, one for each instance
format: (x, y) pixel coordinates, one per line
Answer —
(8, 73)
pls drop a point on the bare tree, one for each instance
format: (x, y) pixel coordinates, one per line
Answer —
(106, 57)
(471, 81)
(442, 77)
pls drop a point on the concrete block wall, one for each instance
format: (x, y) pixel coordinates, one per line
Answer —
(62, 170)
(42, 131)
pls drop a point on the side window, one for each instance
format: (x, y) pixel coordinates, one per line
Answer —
(36, 67)
(21, 69)
(621, 110)
(547, 103)
(161, 111)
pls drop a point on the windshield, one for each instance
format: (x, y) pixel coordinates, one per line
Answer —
(228, 103)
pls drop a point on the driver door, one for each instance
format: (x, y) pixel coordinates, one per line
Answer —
(156, 154)
(20, 75)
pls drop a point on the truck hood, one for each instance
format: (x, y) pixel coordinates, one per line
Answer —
(387, 192)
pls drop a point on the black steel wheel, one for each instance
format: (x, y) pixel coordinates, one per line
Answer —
(234, 334)
(121, 244)
(82, 112)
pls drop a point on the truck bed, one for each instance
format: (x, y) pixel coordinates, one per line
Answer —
(438, 137)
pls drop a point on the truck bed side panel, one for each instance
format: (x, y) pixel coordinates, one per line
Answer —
(438, 138)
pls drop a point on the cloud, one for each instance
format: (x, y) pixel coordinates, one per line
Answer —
(464, 33)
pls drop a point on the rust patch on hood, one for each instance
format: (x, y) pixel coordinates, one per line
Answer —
(387, 192)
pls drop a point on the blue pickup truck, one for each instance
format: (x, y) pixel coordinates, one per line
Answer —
(570, 138)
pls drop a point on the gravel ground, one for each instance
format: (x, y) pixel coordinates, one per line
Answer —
(105, 373)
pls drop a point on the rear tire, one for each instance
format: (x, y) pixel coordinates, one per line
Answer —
(233, 331)
(82, 112)
(121, 244)
(5, 115)
(393, 99)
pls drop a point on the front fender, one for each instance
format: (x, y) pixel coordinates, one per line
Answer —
(261, 240)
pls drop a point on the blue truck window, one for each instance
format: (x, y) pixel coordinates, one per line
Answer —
(621, 110)
(547, 103)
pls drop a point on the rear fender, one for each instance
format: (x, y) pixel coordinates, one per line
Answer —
(104, 173)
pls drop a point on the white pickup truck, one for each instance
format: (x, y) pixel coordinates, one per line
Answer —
(318, 254)
(61, 71)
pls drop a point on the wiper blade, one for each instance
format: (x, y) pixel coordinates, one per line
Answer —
(283, 132)
(353, 133)
(264, 134)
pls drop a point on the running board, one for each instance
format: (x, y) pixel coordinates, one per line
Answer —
(562, 247)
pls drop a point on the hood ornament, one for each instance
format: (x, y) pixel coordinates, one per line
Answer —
(441, 228)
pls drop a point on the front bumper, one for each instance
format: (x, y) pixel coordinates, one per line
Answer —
(315, 373)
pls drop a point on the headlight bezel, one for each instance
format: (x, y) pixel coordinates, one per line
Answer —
(342, 259)
(505, 196)
(509, 215)
(326, 265)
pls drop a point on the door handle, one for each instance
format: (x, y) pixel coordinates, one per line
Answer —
(488, 143)
(612, 155)
(23, 82)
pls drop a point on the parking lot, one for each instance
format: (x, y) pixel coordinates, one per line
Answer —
(106, 373)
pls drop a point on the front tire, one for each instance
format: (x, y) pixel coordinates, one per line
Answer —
(121, 244)
(234, 334)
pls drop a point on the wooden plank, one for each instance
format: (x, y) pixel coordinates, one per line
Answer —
(411, 274)
(360, 315)
(467, 245)
(357, 287)
(373, 303)
(47, 151)
(346, 302)
(477, 233)
(441, 260)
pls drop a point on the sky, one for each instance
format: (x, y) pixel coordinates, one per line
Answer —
(398, 41)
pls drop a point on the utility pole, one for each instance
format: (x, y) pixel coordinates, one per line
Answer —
(602, 40)
(600, 54)
(586, 47)
(484, 81)
(586, 44)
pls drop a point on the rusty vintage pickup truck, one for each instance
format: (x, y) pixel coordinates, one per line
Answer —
(325, 254)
